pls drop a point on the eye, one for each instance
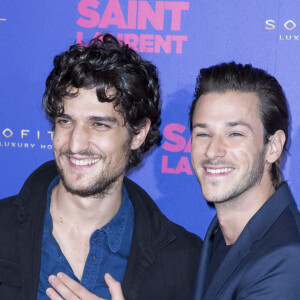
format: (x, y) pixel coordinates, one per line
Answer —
(236, 134)
(100, 125)
(201, 134)
(63, 122)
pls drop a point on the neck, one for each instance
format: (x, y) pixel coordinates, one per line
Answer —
(85, 214)
(234, 214)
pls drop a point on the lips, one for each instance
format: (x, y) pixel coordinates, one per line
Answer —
(214, 171)
(83, 162)
(218, 171)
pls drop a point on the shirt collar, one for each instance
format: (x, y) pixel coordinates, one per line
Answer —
(116, 228)
(48, 225)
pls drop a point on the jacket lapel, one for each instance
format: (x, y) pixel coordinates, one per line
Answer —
(149, 237)
(236, 254)
(204, 260)
(31, 203)
(24, 252)
(240, 249)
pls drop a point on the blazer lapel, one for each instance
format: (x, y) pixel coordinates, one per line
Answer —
(204, 260)
(236, 254)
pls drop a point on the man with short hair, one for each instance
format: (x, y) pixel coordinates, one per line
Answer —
(239, 122)
(79, 218)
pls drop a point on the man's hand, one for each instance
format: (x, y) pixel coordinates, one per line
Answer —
(71, 290)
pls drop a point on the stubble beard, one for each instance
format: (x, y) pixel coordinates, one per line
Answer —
(103, 184)
(250, 180)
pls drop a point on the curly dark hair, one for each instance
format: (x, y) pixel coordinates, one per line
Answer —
(273, 110)
(108, 63)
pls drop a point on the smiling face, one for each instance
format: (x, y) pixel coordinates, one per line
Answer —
(228, 153)
(91, 145)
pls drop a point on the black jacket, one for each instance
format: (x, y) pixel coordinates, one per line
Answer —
(163, 258)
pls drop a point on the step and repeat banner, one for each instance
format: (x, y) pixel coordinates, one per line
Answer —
(180, 38)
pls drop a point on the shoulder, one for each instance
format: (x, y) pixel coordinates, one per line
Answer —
(44, 174)
(275, 273)
(36, 181)
(273, 263)
(142, 199)
(282, 257)
(276, 225)
(7, 203)
(174, 250)
(135, 191)
(7, 200)
(9, 219)
(183, 236)
(35, 185)
(280, 245)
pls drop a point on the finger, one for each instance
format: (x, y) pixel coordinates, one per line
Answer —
(114, 287)
(62, 289)
(76, 287)
(52, 294)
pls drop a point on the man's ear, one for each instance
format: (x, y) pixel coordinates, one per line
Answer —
(275, 146)
(138, 139)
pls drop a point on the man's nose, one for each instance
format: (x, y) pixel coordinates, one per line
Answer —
(79, 139)
(216, 148)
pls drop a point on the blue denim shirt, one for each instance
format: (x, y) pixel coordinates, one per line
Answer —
(109, 250)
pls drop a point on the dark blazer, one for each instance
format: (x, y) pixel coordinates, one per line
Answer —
(163, 258)
(264, 262)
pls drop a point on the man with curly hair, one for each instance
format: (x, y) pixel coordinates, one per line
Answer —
(78, 222)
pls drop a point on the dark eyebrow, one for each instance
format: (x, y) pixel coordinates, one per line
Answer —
(238, 123)
(105, 119)
(200, 125)
(65, 116)
(229, 124)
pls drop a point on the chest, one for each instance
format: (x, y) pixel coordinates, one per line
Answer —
(82, 258)
(74, 246)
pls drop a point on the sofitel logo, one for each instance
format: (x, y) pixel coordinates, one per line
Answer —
(286, 29)
(25, 139)
(133, 19)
